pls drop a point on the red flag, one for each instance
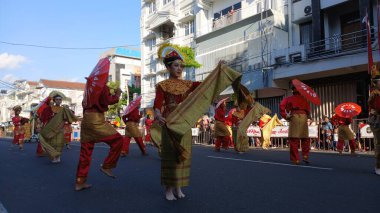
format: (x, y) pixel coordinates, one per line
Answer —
(369, 43)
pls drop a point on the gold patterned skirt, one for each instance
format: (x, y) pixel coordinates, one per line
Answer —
(132, 129)
(298, 127)
(94, 127)
(345, 133)
(221, 129)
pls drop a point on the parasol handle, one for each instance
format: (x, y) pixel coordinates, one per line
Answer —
(288, 114)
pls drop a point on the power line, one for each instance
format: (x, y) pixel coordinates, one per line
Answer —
(66, 48)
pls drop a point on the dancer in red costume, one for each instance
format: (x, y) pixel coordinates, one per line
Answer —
(344, 133)
(296, 110)
(19, 131)
(148, 124)
(131, 121)
(222, 134)
(95, 129)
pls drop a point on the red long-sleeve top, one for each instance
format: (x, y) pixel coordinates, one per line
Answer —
(46, 115)
(296, 103)
(228, 120)
(105, 99)
(166, 101)
(220, 114)
(339, 121)
(148, 123)
(133, 116)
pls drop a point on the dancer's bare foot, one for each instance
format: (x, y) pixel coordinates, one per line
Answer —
(169, 193)
(107, 172)
(179, 192)
(82, 186)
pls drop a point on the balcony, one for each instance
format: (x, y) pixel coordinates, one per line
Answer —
(338, 45)
(228, 19)
(186, 16)
(337, 55)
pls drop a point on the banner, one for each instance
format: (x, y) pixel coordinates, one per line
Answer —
(365, 132)
(194, 132)
(279, 131)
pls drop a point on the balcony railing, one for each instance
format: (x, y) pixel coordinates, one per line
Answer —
(228, 19)
(339, 45)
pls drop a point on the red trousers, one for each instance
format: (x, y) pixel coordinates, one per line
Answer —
(18, 139)
(223, 141)
(305, 146)
(127, 141)
(232, 145)
(39, 151)
(340, 144)
(147, 137)
(114, 141)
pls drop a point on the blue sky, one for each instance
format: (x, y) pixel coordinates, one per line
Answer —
(67, 23)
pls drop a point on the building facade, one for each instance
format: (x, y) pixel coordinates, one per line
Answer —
(271, 42)
(125, 67)
(29, 93)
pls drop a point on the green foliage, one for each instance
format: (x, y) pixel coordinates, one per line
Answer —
(114, 110)
(189, 57)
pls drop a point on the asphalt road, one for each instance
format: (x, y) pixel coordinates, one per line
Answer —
(257, 181)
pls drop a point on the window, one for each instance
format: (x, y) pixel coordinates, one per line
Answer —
(258, 7)
(189, 27)
(152, 81)
(151, 43)
(306, 33)
(109, 77)
(226, 10)
(152, 7)
(167, 1)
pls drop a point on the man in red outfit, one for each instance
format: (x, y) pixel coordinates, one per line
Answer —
(131, 121)
(344, 133)
(296, 110)
(229, 124)
(222, 134)
(95, 129)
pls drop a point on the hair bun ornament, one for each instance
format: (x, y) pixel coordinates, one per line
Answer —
(167, 51)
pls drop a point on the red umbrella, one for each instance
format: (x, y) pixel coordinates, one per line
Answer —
(96, 82)
(133, 105)
(41, 106)
(220, 102)
(348, 110)
(306, 91)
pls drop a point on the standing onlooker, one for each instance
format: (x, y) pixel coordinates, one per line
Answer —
(327, 129)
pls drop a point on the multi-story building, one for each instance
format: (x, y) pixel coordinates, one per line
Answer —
(125, 67)
(163, 21)
(327, 49)
(321, 42)
(29, 93)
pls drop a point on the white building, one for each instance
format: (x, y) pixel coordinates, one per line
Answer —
(125, 67)
(29, 93)
(163, 21)
(322, 42)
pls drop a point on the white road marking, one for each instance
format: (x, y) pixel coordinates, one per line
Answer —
(2, 209)
(271, 163)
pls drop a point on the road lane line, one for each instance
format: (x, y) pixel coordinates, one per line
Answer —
(272, 163)
(2, 208)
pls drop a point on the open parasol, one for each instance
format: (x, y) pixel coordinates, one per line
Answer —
(306, 91)
(348, 110)
(42, 105)
(96, 82)
(220, 102)
(132, 105)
